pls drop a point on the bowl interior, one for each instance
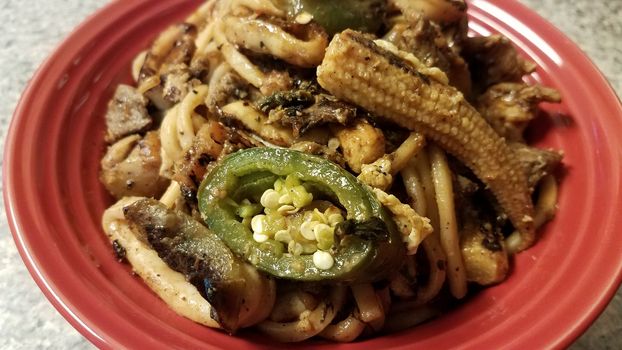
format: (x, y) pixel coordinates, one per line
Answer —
(55, 201)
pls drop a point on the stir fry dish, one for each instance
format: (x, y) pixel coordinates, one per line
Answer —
(332, 169)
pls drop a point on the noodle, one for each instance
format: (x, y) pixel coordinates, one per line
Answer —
(201, 15)
(311, 322)
(168, 137)
(367, 302)
(259, 6)
(448, 227)
(407, 150)
(137, 64)
(546, 205)
(172, 194)
(236, 60)
(185, 126)
(433, 250)
(344, 331)
(261, 37)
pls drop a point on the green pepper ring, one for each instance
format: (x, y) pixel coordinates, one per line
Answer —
(251, 171)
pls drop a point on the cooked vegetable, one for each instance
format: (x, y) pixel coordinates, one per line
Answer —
(248, 174)
(399, 89)
(305, 107)
(336, 16)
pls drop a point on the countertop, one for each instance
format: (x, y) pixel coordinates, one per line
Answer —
(29, 31)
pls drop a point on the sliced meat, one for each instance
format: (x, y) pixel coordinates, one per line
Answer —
(493, 59)
(166, 71)
(176, 84)
(536, 161)
(325, 109)
(199, 67)
(127, 114)
(224, 86)
(175, 71)
(509, 107)
(183, 49)
(131, 167)
(426, 41)
(159, 50)
(456, 33)
(170, 285)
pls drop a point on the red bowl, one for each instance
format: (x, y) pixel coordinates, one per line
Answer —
(54, 200)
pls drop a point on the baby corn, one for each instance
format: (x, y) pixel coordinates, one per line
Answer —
(392, 85)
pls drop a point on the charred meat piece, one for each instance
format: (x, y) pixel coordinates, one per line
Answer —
(325, 109)
(221, 91)
(131, 167)
(382, 81)
(302, 96)
(176, 83)
(493, 59)
(175, 71)
(183, 49)
(199, 67)
(127, 114)
(165, 74)
(536, 161)
(440, 11)
(509, 107)
(425, 40)
(160, 49)
(170, 285)
(193, 250)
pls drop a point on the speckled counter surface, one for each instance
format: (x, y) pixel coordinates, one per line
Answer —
(29, 31)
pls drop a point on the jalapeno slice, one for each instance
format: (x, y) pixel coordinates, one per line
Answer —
(248, 173)
(336, 16)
